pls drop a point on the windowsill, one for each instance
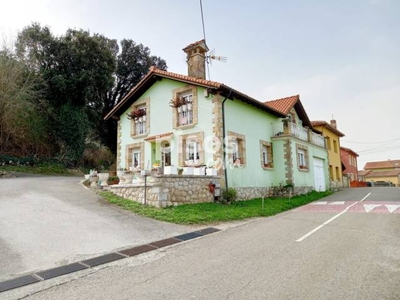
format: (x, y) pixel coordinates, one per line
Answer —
(138, 136)
(267, 168)
(303, 169)
(185, 126)
(239, 166)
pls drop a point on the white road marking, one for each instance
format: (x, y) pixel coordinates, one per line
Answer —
(319, 203)
(369, 207)
(336, 203)
(330, 220)
(391, 207)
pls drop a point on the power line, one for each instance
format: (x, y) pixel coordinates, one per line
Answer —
(383, 142)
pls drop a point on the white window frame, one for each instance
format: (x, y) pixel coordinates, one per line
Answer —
(235, 150)
(302, 157)
(137, 154)
(192, 151)
(140, 127)
(185, 117)
(264, 154)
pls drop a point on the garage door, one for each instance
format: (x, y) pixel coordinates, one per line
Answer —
(319, 175)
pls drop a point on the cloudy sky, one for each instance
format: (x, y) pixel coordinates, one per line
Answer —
(342, 57)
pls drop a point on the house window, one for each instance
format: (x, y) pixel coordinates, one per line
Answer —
(302, 157)
(328, 142)
(165, 154)
(136, 158)
(192, 151)
(266, 154)
(190, 148)
(185, 111)
(337, 173)
(331, 172)
(236, 148)
(140, 122)
(184, 105)
(335, 146)
(139, 116)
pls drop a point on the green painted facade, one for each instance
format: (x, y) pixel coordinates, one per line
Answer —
(242, 119)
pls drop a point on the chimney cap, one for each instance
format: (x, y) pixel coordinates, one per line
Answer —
(202, 44)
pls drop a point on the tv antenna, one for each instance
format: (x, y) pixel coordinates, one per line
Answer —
(211, 54)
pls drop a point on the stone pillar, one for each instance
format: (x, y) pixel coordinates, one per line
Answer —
(218, 155)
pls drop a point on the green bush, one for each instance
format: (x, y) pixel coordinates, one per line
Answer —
(229, 195)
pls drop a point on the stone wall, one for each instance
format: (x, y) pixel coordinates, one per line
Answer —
(173, 190)
(168, 190)
(248, 193)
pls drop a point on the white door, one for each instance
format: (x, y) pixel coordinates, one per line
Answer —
(319, 175)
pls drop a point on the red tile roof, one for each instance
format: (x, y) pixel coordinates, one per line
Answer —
(387, 164)
(195, 80)
(391, 173)
(192, 80)
(327, 125)
(349, 150)
(158, 136)
(363, 172)
(284, 105)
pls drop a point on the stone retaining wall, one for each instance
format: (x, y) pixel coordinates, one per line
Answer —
(168, 190)
(248, 193)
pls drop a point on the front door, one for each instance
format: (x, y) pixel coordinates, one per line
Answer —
(319, 175)
(165, 155)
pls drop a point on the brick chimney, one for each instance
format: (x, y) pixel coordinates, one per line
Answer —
(333, 124)
(196, 59)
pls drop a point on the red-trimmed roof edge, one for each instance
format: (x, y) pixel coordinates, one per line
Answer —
(226, 90)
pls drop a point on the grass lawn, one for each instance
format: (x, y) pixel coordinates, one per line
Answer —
(205, 213)
(45, 169)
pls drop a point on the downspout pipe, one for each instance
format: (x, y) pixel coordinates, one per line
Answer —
(224, 136)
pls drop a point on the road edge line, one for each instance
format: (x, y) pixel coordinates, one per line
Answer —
(330, 220)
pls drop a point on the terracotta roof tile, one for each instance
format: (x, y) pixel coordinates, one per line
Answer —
(363, 172)
(327, 125)
(158, 136)
(391, 173)
(283, 105)
(197, 81)
(348, 150)
(386, 164)
(186, 78)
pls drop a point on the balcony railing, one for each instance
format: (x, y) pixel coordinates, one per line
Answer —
(305, 134)
(299, 132)
(317, 139)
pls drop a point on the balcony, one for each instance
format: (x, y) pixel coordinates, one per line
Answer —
(302, 133)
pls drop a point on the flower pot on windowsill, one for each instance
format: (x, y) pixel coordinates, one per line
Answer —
(189, 106)
(188, 171)
(211, 172)
(303, 167)
(268, 165)
(201, 171)
(179, 108)
(170, 170)
(144, 118)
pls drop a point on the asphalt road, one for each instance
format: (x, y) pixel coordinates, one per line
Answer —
(51, 221)
(325, 250)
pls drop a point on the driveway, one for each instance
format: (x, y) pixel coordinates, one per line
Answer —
(50, 221)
